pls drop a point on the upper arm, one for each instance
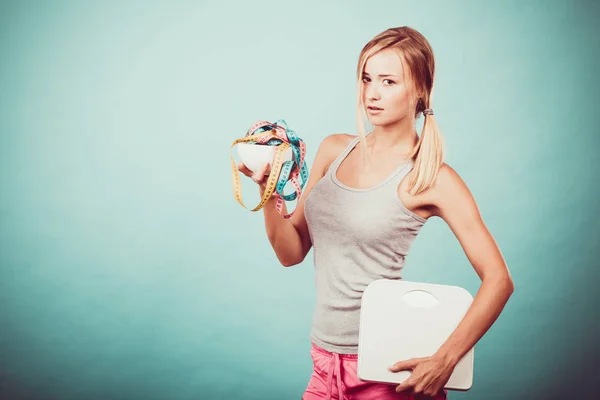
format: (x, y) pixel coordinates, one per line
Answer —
(326, 153)
(454, 203)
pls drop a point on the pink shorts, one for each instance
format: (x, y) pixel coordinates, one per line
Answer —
(335, 373)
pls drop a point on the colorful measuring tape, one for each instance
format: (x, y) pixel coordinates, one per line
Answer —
(275, 134)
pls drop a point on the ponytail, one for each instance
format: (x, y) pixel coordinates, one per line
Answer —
(428, 156)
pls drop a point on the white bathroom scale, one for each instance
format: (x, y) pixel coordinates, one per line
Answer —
(400, 320)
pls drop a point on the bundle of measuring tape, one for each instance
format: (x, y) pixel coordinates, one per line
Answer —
(275, 134)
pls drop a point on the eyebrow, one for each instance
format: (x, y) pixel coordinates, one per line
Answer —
(381, 76)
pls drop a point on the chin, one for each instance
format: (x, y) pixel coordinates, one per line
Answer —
(376, 120)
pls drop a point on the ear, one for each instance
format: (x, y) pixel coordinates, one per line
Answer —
(420, 104)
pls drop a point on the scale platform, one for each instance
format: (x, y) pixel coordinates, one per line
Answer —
(400, 320)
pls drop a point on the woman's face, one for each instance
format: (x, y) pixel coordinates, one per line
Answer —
(384, 87)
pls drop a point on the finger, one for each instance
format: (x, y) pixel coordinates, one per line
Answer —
(431, 393)
(425, 395)
(266, 169)
(406, 385)
(244, 169)
(418, 388)
(257, 178)
(260, 177)
(404, 365)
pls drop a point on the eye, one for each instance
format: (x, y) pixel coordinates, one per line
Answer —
(364, 77)
(389, 80)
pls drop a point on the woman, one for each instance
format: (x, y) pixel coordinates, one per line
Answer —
(361, 211)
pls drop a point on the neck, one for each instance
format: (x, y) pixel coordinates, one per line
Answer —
(399, 137)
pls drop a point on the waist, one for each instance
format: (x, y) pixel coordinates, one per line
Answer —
(336, 331)
(328, 353)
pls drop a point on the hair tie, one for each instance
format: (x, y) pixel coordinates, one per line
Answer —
(428, 111)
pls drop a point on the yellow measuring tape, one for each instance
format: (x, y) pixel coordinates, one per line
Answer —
(279, 135)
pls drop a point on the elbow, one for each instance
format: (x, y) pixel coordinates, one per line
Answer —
(502, 284)
(291, 258)
(508, 285)
(289, 263)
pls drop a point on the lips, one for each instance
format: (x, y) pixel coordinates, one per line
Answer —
(374, 108)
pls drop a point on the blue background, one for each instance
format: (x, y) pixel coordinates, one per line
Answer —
(128, 271)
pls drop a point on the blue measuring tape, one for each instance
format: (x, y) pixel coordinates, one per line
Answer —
(298, 150)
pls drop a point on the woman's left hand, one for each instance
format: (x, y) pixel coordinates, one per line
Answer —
(429, 374)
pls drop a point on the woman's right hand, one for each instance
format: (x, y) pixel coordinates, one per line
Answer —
(260, 177)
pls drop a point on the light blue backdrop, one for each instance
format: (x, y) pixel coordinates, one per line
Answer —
(128, 271)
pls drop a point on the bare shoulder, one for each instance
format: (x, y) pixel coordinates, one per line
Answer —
(448, 179)
(336, 141)
(450, 192)
(332, 146)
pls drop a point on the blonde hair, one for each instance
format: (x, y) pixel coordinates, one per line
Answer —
(418, 61)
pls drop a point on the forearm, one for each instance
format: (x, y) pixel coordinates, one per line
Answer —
(282, 234)
(483, 312)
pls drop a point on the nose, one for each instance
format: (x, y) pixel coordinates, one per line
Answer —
(372, 92)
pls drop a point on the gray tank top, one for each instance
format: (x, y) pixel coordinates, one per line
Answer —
(358, 236)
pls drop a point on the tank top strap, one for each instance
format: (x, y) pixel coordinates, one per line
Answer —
(390, 188)
(338, 160)
(403, 169)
